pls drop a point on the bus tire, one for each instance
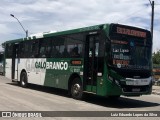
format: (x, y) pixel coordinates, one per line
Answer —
(23, 80)
(76, 89)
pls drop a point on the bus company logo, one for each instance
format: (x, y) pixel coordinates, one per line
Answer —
(37, 65)
(52, 65)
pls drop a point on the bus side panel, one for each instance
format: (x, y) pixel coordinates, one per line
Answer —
(41, 69)
(57, 73)
(8, 68)
(16, 68)
(105, 87)
(21, 66)
(33, 69)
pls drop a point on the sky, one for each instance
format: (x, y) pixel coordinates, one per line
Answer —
(39, 16)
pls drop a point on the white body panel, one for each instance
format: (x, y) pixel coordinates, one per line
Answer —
(8, 68)
(35, 76)
(1, 68)
(16, 69)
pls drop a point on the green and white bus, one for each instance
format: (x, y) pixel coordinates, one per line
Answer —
(107, 60)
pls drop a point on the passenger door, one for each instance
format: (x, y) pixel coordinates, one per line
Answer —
(91, 63)
(15, 61)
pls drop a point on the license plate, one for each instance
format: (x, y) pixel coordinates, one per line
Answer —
(136, 90)
(132, 82)
(137, 82)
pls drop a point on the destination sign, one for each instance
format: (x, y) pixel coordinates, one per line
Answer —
(131, 32)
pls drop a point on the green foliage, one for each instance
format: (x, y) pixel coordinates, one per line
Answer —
(156, 57)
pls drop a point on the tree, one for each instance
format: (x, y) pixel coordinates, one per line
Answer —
(156, 57)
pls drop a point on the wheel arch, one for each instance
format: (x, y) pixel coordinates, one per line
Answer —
(23, 79)
(71, 78)
(23, 70)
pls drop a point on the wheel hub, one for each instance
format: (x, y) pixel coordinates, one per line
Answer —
(76, 89)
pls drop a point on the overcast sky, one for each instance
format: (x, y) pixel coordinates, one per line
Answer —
(46, 15)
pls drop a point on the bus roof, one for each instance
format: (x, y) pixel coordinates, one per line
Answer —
(49, 34)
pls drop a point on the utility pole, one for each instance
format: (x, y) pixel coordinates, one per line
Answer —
(152, 18)
(152, 25)
(26, 31)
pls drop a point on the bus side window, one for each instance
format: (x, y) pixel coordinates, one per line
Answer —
(61, 50)
(57, 47)
(9, 50)
(101, 49)
(75, 52)
(65, 53)
(96, 50)
(43, 47)
(29, 51)
(48, 47)
(26, 49)
(35, 47)
(42, 52)
(55, 52)
(48, 51)
(74, 45)
(21, 50)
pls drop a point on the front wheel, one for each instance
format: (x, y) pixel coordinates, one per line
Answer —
(77, 89)
(23, 80)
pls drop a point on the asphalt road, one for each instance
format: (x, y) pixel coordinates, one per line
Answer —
(38, 98)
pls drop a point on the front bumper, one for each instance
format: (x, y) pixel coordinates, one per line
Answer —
(137, 87)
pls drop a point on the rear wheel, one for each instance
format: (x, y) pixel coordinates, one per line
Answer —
(23, 80)
(77, 89)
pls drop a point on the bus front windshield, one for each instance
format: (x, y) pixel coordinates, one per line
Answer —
(130, 53)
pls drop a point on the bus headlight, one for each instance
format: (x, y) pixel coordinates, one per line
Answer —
(113, 80)
(117, 82)
(110, 78)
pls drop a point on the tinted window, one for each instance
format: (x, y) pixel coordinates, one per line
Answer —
(34, 49)
(29, 49)
(67, 46)
(9, 48)
(74, 45)
(57, 47)
(45, 48)
(53, 47)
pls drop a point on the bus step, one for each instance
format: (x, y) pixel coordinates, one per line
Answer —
(89, 92)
